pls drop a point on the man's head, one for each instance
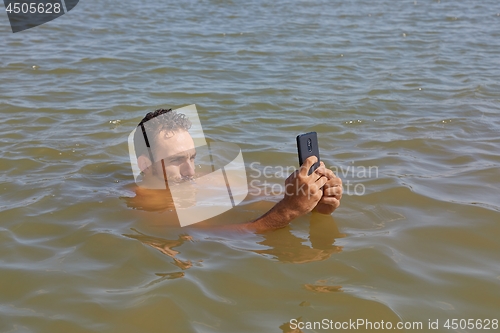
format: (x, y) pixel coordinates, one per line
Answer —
(171, 149)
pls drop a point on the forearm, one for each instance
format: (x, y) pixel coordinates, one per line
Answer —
(277, 217)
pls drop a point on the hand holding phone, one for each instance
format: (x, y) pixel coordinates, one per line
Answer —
(307, 145)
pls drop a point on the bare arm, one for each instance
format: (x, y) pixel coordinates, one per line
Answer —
(302, 194)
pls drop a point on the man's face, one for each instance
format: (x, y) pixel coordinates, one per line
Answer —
(178, 152)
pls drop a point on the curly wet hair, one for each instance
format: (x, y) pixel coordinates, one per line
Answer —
(169, 122)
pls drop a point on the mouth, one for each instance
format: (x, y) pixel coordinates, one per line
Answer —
(181, 180)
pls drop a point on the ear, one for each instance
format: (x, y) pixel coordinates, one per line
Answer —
(144, 163)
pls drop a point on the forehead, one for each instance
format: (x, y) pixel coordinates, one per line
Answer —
(175, 143)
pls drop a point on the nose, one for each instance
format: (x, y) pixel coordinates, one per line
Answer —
(187, 169)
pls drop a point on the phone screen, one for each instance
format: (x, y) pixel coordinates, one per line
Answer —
(307, 145)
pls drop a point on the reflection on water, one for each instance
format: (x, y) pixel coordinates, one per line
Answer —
(153, 200)
(322, 288)
(281, 245)
(165, 276)
(286, 328)
(166, 246)
(285, 247)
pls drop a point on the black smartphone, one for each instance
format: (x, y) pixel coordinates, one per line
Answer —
(307, 145)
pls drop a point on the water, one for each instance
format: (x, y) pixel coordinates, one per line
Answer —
(408, 88)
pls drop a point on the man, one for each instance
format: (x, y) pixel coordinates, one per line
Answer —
(169, 153)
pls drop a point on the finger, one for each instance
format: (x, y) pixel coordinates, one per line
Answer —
(337, 197)
(321, 170)
(334, 182)
(330, 174)
(330, 201)
(308, 163)
(321, 181)
(327, 173)
(332, 191)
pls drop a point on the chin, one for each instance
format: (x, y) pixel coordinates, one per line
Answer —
(175, 180)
